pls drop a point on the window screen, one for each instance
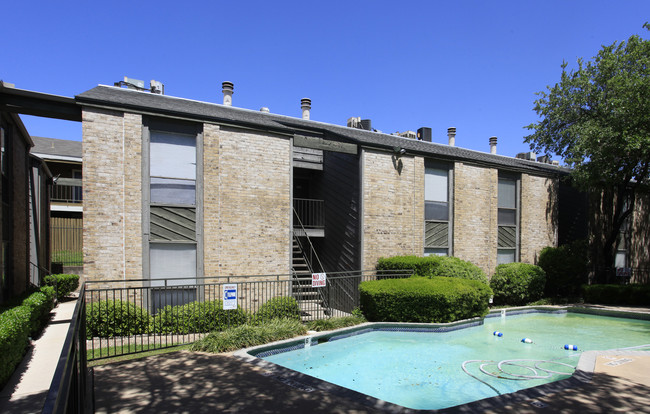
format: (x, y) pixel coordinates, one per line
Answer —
(172, 168)
(507, 193)
(435, 184)
(172, 260)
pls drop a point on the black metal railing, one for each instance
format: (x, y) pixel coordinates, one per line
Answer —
(71, 387)
(133, 316)
(637, 275)
(310, 212)
(67, 190)
(66, 240)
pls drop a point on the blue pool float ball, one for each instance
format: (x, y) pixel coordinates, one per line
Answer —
(571, 347)
(527, 340)
(497, 333)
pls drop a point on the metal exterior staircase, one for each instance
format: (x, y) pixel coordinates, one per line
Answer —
(301, 282)
(305, 261)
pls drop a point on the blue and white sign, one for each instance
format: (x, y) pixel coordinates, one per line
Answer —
(229, 296)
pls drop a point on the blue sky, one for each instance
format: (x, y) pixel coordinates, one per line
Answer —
(473, 65)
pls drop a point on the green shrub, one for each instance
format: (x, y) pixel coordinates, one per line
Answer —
(49, 292)
(108, 318)
(566, 268)
(436, 299)
(280, 307)
(64, 284)
(434, 266)
(335, 323)
(39, 308)
(197, 317)
(421, 266)
(631, 295)
(245, 336)
(15, 327)
(517, 283)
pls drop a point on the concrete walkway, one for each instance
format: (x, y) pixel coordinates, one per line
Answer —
(186, 382)
(26, 390)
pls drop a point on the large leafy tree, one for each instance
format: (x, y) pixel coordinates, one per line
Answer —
(597, 118)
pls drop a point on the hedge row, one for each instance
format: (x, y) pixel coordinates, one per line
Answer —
(566, 268)
(633, 295)
(517, 283)
(434, 266)
(109, 318)
(18, 324)
(418, 299)
(63, 283)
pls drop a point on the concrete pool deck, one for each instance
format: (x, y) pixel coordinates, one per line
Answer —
(187, 382)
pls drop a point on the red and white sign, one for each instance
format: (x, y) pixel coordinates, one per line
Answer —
(318, 279)
(623, 272)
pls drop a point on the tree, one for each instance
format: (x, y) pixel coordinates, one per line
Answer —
(597, 118)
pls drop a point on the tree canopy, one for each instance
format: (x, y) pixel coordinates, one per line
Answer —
(597, 119)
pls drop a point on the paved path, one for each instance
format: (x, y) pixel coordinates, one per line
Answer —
(187, 382)
(26, 390)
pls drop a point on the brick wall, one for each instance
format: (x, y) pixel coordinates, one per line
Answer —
(393, 206)
(112, 194)
(246, 189)
(475, 215)
(20, 206)
(247, 208)
(539, 216)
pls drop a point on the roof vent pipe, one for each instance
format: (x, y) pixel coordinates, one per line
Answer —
(305, 105)
(227, 89)
(493, 145)
(451, 134)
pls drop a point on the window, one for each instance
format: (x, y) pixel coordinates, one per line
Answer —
(437, 234)
(620, 260)
(6, 221)
(508, 217)
(171, 185)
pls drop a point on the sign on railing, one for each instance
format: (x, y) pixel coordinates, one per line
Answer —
(229, 296)
(318, 280)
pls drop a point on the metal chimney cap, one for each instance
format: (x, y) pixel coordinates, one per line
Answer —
(451, 130)
(305, 102)
(493, 140)
(227, 86)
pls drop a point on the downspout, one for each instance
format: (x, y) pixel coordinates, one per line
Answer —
(123, 201)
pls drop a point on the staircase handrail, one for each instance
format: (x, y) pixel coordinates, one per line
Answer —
(311, 246)
(321, 295)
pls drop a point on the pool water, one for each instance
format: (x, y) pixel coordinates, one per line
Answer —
(424, 370)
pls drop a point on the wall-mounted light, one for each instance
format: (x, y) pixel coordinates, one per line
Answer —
(397, 163)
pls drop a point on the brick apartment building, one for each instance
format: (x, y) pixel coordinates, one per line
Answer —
(180, 188)
(175, 187)
(24, 218)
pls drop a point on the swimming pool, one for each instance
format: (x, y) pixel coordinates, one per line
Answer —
(439, 366)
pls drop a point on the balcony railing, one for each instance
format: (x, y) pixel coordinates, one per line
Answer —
(67, 190)
(310, 212)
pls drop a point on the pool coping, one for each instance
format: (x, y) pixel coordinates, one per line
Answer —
(582, 375)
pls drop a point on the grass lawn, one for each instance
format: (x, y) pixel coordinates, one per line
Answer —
(68, 258)
(117, 353)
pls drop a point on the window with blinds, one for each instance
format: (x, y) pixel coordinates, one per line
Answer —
(508, 231)
(437, 212)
